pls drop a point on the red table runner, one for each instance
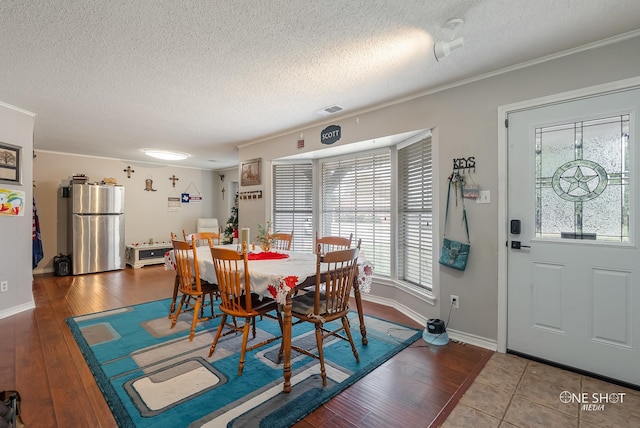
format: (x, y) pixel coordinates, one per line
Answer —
(267, 256)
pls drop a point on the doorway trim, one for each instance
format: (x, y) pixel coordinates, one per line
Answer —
(503, 159)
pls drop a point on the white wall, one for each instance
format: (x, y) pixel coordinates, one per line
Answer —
(464, 119)
(147, 214)
(16, 128)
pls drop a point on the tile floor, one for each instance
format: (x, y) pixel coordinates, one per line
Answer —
(515, 392)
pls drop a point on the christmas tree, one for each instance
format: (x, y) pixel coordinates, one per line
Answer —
(231, 229)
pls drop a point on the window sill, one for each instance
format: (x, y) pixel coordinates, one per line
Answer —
(421, 293)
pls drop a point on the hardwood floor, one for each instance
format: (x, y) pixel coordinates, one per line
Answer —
(39, 357)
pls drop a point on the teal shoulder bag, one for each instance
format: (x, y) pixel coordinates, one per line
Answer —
(454, 253)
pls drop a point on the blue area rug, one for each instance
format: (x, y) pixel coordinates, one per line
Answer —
(152, 375)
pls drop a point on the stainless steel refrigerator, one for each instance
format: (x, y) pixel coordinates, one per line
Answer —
(96, 228)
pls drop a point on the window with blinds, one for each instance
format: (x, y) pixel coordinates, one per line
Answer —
(293, 203)
(415, 214)
(356, 198)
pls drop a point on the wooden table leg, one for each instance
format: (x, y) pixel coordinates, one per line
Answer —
(286, 344)
(358, 297)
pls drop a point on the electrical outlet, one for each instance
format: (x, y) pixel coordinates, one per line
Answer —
(4, 286)
(455, 301)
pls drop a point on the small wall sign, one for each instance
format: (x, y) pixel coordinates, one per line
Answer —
(173, 204)
(330, 134)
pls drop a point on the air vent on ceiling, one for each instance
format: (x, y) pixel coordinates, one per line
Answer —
(330, 110)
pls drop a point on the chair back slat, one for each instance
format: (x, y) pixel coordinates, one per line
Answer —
(283, 241)
(327, 244)
(335, 273)
(232, 273)
(187, 267)
(202, 239)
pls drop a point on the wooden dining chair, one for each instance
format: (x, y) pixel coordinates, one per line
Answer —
(190, 285)
(237, 300)
(283, 241)
(202, 238)
(332, 243)
(176, 285)
(328, 301)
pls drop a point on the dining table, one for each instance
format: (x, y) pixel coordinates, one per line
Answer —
(277, 275)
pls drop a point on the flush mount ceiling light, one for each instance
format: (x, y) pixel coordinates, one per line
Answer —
(443, 49)
(165, 155)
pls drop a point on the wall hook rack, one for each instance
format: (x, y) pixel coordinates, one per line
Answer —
(461, 164)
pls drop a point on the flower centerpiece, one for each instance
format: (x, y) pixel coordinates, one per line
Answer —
(265, 236)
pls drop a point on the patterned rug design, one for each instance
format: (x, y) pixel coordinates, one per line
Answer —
(152, 375)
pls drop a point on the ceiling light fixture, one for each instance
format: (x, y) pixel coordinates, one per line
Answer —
(165, 155)
(442, 50)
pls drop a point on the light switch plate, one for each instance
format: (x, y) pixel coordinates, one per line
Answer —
(484, 197)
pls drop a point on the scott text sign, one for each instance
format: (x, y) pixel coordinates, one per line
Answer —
(330, 134)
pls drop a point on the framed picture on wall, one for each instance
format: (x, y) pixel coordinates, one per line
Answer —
(251, 172)
(10, 159)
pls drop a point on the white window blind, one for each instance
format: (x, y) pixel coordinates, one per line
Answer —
(293, 203)
(356, 198)
(415, 214)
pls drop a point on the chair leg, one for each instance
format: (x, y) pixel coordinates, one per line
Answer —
(176, 285)
(245, 338)
(218, 333)
(211, 298)
(253, 327)
(178, 310)
(197, 307)
(319, 339)
(347, 330)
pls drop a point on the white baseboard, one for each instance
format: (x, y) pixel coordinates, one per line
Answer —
(458, 336)
(17, 309)
(472, 339)
(44, 270)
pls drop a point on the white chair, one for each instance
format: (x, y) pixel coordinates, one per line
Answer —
(207, 225)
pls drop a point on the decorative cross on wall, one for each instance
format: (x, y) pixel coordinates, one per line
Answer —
(129, 171)
(173, 178)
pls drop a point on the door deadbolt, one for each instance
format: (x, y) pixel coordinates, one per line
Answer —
(516, 245)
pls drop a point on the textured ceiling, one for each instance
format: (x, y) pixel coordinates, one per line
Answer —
(109, 78)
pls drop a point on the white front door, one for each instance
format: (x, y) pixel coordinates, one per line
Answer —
(573, 281)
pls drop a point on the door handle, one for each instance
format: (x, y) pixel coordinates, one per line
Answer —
(517, 245)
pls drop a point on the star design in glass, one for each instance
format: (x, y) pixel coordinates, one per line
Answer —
(579, 181)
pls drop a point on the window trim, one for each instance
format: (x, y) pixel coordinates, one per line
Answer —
(429, 296)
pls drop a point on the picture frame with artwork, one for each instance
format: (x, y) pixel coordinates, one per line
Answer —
(251, 172)
(10, 163)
